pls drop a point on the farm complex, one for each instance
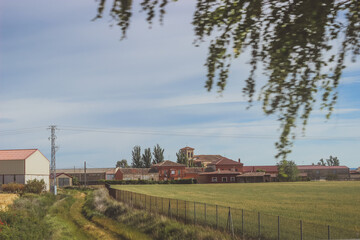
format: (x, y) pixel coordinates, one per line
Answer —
(209, 169)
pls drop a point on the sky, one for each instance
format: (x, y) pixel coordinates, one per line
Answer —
(58, 67)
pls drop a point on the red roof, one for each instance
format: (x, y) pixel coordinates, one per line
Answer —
(16, 154)
(318, 167)
(187, 148)
(168, 163)
(267, 169)
(225, 161)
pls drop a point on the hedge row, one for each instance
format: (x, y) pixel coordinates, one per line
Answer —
(134, 182)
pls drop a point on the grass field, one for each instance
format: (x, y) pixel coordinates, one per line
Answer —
(326, 203)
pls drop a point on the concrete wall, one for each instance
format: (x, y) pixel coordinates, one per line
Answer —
(37, 164)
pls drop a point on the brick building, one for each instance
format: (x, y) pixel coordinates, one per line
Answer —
(169, 170)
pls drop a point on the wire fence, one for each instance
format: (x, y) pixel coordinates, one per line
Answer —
(238, 222)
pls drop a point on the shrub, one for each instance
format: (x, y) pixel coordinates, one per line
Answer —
(35, 186)
(13, 187)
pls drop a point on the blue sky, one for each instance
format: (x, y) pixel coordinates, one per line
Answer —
(59, 67)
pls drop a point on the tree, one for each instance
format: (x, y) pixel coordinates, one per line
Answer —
(122, 164)
(291, 40)
(287, 171)
(331, 161)
(182, 158)
(158, 154)
(146, 158)
(136, 157)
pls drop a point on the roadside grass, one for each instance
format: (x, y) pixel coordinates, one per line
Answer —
(151, 225)
(325, 203)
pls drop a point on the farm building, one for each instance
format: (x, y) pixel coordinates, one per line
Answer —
(93, 175)
(136, 174)
(219, 176)
(21, 165)
(169, 170)
(316, 172)
(62, 180)
(202, 160)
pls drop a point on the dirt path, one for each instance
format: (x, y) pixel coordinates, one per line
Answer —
(91, 229)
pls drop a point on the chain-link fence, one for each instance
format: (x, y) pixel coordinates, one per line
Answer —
(239, 222)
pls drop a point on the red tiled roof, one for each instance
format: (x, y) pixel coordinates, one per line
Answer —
(220, 173)
(168, 163)
(265, 168)
(225, 161)
(207, 158)
(16, 154)
(187, 148)
(317, 167)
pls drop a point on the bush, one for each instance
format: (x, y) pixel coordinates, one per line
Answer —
(13, 187)
(35, 186)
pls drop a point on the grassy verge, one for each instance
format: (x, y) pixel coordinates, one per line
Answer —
(99, 204)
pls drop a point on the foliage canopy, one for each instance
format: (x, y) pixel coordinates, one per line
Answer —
(291, 40)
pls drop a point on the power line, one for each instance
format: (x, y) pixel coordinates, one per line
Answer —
(173, 133)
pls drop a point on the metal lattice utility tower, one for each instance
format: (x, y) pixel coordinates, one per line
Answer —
(53, 160)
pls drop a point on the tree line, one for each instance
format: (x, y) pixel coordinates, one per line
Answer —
(143, 160)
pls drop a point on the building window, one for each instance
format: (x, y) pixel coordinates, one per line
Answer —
(179, 172)
(232, 179)
(224, 179)
(172, 172)
(334, 171)
(214, 179)
(317, 172)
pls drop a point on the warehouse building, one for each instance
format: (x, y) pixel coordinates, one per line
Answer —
(21, 165)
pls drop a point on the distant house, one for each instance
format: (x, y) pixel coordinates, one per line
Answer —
(316, 172)
(220, 176)
(169, 170)
(355, 174)
(62, 180)
(272, 169)
(21, 165)
(136, 174)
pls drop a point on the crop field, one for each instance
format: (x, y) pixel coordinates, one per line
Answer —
(6, 199)
(324, 203)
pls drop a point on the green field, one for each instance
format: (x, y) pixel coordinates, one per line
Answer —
(325, 203)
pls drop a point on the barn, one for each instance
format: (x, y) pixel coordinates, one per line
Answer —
(21, 165)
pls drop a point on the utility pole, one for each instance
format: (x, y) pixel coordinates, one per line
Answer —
(85, 172)
(53, 160)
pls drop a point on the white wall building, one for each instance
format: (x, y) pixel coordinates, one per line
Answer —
(21, 165)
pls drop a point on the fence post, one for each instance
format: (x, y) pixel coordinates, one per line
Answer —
(329, 236)
(242, 222)
(301, 230)
(229, 224)
(205, 212)
(216, 216)
(278, 227)
(194, 214)
(259, 221)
